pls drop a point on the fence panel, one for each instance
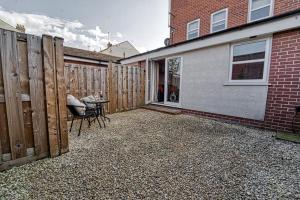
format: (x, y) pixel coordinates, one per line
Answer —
(25, 82)
(123, 86)
(13, 94)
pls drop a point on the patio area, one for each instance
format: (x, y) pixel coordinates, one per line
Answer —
(145, 154)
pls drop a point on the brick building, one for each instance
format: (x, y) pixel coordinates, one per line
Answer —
(237, 13)
(232, 60)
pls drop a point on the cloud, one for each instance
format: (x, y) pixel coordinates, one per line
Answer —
(119, 35)
(74, 32)
(141, 49)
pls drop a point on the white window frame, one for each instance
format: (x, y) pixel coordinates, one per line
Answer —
(212, 18)
(266, 60)
(188, 31)
(250, 10)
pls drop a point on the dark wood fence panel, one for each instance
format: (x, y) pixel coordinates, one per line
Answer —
(13, 94)
(26, 133)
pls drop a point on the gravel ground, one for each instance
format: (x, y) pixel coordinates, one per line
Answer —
(149, 155)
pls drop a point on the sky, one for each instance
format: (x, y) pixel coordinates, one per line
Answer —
(85, 23)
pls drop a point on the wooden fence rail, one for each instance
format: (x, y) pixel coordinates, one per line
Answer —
(33, 121)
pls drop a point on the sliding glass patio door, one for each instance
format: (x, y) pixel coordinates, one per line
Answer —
(173, 81)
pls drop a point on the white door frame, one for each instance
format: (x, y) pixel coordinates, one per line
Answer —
(148, 81)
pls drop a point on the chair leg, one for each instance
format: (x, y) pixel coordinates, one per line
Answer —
(89, 120)
(99, 122)
(71, 124)
(104, 114)
(102, 121)
(80, 126)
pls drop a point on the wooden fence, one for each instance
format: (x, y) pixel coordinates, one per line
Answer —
(124, 86)
(33, 121)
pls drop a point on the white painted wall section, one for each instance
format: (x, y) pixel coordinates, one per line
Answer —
(204, 74)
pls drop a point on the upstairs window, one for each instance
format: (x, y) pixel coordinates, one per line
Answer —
(260, 9)
(219, 20)
(193, 29)
(249, 61)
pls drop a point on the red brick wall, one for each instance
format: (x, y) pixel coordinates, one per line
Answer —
(189, 10)
(284, 77)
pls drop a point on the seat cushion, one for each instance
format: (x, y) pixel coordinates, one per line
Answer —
(89, 99)
(73, 101)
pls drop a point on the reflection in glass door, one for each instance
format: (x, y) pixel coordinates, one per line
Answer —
(173, 76)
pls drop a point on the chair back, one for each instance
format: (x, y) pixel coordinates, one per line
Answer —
(73, 110)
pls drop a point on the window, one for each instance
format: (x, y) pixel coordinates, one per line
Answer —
(260, 9)
(193, 29)
(219, 20)
(249, 61)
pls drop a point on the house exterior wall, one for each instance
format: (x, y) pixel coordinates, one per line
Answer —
(284, 80)
(187, 11)
(204, 77)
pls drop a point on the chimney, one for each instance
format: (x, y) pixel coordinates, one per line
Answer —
(109, 45)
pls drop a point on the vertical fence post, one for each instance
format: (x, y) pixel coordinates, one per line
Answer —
(50, 88)
(12, 90)
(61, 95)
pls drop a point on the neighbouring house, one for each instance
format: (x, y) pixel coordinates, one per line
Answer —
(7, 26)
(80, 56)
(124, 49)
(232, 60)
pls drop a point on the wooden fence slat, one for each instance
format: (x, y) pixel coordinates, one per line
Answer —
(138, 85)
(120, 85)
(125, 88)
(82, 89)
(115, 88)
(74, 80)
(61, 95)
(13, 95)
(109, 86)
(1, 122)
(97, 76)
(103, 82)
(37, 91)
(134, 88)
(129, 87)
(0, 151)
(4, 136)
(50, 88)
(67, 78)
(89, 81)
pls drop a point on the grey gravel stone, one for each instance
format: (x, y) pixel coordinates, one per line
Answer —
(149, 155)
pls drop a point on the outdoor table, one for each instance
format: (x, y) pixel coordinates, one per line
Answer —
(99, 108)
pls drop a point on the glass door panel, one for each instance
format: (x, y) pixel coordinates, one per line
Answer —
(173, 76)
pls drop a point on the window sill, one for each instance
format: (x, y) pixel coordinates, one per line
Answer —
(246, 84)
